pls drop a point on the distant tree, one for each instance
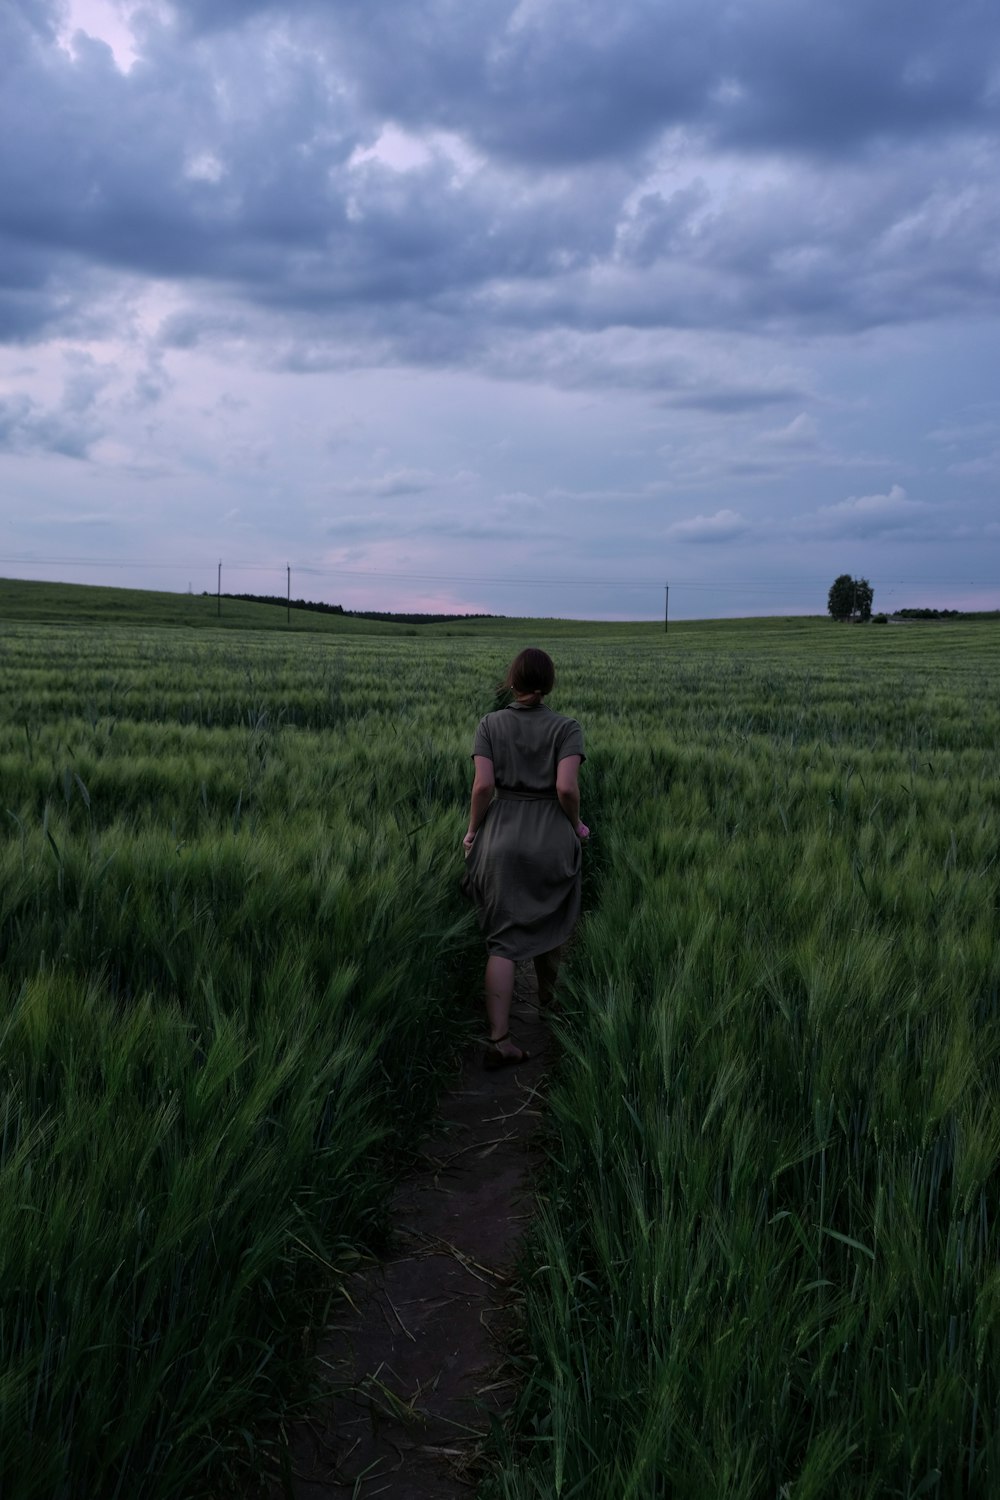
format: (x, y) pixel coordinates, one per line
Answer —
(840, 597)
(850, 598)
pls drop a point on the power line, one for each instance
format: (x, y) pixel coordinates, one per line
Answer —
(756, 585)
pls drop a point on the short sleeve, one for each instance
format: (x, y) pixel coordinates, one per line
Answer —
(482, 744)
(569, 740)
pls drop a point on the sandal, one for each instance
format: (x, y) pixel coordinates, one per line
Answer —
(494, 1059)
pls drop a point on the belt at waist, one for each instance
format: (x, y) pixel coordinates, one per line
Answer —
(505, 794)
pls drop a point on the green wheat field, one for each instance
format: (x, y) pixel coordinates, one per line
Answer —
(237, 971)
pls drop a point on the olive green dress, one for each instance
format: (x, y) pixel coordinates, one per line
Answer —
(523, 871)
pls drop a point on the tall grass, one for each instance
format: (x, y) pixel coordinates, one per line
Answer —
(232, 951)
(766, 1263)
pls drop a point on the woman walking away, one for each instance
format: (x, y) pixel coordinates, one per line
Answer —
(522, 849)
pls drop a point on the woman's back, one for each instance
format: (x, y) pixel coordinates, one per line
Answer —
(526, 744)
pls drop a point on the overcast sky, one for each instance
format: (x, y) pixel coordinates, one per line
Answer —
(520, 307)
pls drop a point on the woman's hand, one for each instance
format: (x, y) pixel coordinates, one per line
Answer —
(582, 832)
(467, 842)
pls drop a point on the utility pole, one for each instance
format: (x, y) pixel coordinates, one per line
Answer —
(219, 592)
(288, 605)
(666, 608)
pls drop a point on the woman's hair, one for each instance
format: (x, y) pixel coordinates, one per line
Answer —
(531, 671)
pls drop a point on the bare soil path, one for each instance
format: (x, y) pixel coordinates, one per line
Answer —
(415, 1365)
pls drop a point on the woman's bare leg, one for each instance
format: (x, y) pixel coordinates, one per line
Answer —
(499, 988)
(546, 972)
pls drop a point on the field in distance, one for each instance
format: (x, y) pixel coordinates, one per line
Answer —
(72, 603)
(23, 600)
(91, 604)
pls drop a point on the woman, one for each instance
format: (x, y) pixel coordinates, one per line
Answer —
(523, 844)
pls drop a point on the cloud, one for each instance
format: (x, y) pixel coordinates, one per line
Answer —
(95, 518)
(498, 517)
(397, 482)
(963, 432)
(800, 432)
(986, 466)
(68, 426)
(873, 515)
(723, 526)
(400, 482)
(26, 426)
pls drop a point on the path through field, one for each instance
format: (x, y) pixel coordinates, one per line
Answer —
(416, 1371)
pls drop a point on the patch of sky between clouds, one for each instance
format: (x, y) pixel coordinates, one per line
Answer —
(107, 21)
(404, 151)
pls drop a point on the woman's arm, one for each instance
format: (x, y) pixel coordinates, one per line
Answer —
(482, 796)
(568, 792)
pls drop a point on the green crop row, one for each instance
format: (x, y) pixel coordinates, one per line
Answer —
(766, 1260)
(233, 956)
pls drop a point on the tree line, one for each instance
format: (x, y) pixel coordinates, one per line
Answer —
(320, 608)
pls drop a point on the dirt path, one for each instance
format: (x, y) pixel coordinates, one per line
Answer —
(415, 1371)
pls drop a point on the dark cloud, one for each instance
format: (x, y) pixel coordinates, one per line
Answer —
(826, 78)
(21, 22)
(68, 426)
(28, 427)
(558, 83)
(856, 185)
(733, 400)
(567, 81)
(25, 313)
